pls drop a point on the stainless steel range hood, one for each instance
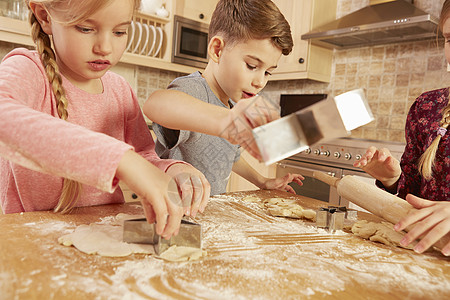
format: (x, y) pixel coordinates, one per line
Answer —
(382, 22)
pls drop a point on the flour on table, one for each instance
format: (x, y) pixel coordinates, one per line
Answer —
(118, 219)
(251, 199)
(280, 207)
(379, 232)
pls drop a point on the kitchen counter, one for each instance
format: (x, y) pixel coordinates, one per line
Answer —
(250, 256)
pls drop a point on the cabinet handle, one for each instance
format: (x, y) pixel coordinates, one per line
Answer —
(201, 16)
(301, 60)
(134, 196)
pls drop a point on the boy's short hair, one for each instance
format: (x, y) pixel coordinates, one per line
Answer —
(239, 20)
(445, 13)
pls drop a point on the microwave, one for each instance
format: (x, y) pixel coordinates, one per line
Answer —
(190, 42)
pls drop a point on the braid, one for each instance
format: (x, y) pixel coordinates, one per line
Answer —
(426, 161)
(48, 58)
(71, 189)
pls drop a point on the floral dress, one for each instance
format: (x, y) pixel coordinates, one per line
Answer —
(422, 125)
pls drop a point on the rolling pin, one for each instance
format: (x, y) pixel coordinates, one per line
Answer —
(373, 199)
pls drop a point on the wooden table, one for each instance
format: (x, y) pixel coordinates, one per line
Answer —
(250, 256)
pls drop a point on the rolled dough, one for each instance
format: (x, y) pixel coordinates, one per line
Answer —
(379, 232)
(105, 239)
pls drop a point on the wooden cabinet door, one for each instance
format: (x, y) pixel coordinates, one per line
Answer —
(306, 61)
(198, 10)
(128, 194)
(298, 14)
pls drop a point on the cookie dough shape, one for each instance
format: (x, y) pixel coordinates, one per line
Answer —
(181, 253)
(281, 207)
(379, 232)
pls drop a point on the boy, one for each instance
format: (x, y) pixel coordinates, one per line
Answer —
(247, 38)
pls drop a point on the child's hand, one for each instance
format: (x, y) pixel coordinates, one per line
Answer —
(282, 183)
(380, 164)
(195, 188)
(244, 116)
(432, 221)
(158, 192)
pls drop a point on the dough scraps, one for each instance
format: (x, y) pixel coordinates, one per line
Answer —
(181, 253)
(380, 232)
(105, 239)
(280, 207)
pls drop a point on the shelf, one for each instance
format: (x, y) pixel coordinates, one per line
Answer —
(157, 63)
(18, 32)
(15, 31)
(154, 18)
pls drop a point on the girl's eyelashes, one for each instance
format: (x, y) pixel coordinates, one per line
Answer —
(83, 29)
(120, 33)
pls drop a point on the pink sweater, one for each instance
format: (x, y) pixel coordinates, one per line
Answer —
(37, 148)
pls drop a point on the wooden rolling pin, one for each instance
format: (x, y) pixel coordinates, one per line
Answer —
(379, 202)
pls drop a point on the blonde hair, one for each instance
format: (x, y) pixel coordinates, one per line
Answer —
(427, 159)
(80, 10)
(239, 20)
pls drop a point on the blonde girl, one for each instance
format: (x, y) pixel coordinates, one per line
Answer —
(424, 171)
(70, 130)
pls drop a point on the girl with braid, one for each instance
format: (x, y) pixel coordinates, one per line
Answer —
(70, 130)
(424, 170)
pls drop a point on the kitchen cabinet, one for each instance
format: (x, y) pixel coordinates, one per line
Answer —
(197, 10)
(128, 194)
(237, 183)
(306, 61)
(157, 51)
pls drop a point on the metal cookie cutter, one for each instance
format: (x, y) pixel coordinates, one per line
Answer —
(333, 217)
(141, 232)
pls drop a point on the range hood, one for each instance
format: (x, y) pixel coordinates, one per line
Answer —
(382, 22)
